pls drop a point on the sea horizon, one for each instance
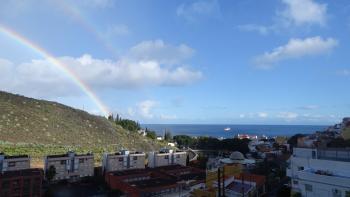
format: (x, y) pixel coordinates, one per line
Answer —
(217, 130)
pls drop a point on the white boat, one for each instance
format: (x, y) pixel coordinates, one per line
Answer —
(227, 129)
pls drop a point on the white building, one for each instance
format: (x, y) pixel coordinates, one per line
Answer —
(320, 172)
(123, 160)
(70, 166)
(166, 157)
(13, 163)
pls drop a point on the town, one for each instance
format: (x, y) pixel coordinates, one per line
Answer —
(302, 165)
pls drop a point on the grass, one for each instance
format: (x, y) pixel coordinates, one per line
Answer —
(39, 128)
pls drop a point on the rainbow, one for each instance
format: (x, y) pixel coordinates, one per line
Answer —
(54, 61)
(80, 19)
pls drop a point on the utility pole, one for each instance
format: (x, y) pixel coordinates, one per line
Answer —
(223, 181)
(219, 182)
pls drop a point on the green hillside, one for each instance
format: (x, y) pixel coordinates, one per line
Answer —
(39, 127)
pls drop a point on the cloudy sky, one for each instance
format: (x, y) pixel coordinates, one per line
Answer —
(198, 61)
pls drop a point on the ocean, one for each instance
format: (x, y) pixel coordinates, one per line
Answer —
(216, 130)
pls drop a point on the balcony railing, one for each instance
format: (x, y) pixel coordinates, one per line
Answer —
(324, 177)
(334, 154)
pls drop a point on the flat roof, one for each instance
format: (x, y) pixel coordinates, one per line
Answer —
(25, 172)
(130, 172)
(239, 187)
(15, 156)
(67, 155)
(153, 183)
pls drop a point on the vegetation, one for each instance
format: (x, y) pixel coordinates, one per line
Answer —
(339, 143)
(151, 134)
(209, 143)
(39, 128)
(293, 141)
(184, 140)
(168, 136)
(50, 173)
(127, 124)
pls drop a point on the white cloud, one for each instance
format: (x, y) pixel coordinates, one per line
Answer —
(309, 107)
(304, 12)
(288, 116)
(296, 13)
(145, 108)
(253, 115)
(263, 114)
(167, 117)
(344, 72)
(261, 29)
(39, 78)
(157, 50)
(192, 12)
(296, 48)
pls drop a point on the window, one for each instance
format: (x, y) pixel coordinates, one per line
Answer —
(313, 154)
(135, 158)
(81, 160)
(63, 162)
(177, 156)
(308, 187)
(166, 157)
(12, 164)
(295, 182)
(300, 168)
(121, 159)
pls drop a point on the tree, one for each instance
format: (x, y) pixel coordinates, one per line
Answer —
(50, 173)
(151, 134)
(184, 140)
(339, 143)
(130, 125)
(167, 136)
(284, 191)
(293, 141)
(111, 117)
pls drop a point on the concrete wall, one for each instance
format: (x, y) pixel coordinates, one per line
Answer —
(12, 164)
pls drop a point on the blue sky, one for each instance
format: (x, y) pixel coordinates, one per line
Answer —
(206, 61)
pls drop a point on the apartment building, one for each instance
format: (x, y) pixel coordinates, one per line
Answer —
(70, 165)
(123, 160)
(12, 163)
(320, 172)
(166, 157)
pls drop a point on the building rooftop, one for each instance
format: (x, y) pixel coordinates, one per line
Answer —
(258, 179)
(25, 172)
(16, 156)
(153, 183)
(239, 187)
(130, 172)
(67, 155)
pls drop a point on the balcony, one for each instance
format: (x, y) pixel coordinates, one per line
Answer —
(324, 177)
(334, 154)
